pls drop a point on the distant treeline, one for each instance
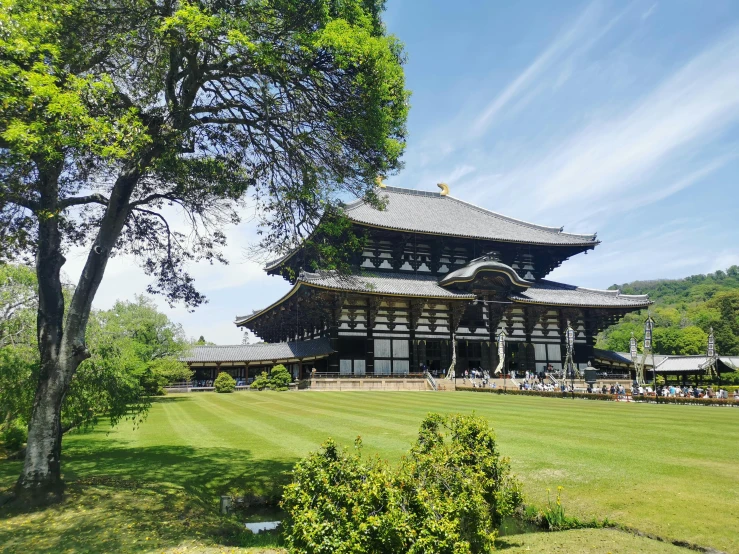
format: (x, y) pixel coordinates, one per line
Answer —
(684, 311)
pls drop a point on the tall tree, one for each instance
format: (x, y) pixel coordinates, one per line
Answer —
(134, 352)
(116, 110)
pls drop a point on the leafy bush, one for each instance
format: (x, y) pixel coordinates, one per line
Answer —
(224, 382)
(701, 401)
(14, 437)
(449, 495)
(261, 382)
(157, 374)
(279, 378)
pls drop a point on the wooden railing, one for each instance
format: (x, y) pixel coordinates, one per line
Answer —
(318, 375)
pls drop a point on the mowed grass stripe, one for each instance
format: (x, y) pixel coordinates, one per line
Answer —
(670, 470)
(323, 424)
(282, 438)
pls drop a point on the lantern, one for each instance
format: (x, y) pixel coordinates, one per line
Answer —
(711, 345)
(648, 328)
(570, 337)
(632, 347)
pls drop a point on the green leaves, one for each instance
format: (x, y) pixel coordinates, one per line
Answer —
(224, 382)
(685, 311)
(48, 112)
(448, 495)
(278, 379)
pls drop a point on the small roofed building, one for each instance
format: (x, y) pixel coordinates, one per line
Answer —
(674, 368)
(436, 270)
(682, 369)
(243, 361)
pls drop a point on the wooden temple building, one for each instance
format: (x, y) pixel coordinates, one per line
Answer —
(434, 270)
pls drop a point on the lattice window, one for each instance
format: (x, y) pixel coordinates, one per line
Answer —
(383, 367)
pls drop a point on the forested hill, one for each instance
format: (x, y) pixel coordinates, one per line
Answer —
(684, 310)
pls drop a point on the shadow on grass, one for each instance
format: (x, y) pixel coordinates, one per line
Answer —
(108, 516)
(203, 472)
(122, 499)
(169, 399)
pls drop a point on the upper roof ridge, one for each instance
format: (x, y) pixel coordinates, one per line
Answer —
(435, 195)
(557, 230)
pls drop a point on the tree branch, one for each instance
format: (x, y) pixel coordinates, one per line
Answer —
(21, 201)
(79, 200)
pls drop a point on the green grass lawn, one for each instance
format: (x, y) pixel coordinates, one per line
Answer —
(672, 471)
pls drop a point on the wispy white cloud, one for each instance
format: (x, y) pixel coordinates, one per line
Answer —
(649, 11)
(573, 41)
(620, 154)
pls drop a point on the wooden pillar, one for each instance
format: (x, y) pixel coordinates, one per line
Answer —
(336, 302)
(415, 309)
(373, 308)
(532, 315)
(591, 332)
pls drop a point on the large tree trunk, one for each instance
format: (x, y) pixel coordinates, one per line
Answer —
(61, 340)
(41, 478)
(41, 475)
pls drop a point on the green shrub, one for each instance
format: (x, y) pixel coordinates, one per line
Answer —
(449, 495)
(279, 378)
(261, 382)
(224, 383)
(14, 437)
(700, 401)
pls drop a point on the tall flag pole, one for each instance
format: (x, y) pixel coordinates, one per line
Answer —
(648, 351)
(570, 345)
(711, 369)
(501, 357)
(638, 366)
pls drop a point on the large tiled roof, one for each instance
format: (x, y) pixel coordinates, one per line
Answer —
(428, 212)
(404, 284)
(559, 294)
(611, 356)
(259, 352)
(368, 282)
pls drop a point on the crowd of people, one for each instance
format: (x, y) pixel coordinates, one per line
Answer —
(479, 378)
(685, 391)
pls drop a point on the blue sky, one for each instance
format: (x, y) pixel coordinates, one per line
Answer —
(615, 117)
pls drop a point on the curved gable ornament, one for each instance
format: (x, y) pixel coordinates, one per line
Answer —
(486, 272)
(444, 189)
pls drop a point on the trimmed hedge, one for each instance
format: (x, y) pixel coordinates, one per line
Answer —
(701, 401)
(224, 382)
(609, 397)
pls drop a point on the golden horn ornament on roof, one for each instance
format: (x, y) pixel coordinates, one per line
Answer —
(379, 183)
(444, 188)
